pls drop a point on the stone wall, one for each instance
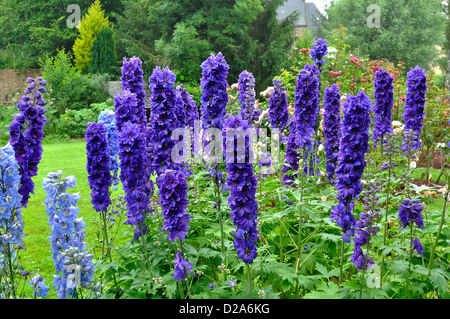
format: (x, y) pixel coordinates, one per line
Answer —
(13, 82)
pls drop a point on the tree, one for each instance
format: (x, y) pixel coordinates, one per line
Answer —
(409, 30)
(447, 46)
(103, 53)
(90, 26)
(183, 33)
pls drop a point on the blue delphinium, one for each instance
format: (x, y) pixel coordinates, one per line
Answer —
(165, 104)
(291, 157)
(278, 106)
(40, 289)
(190, 107)
(410, 211)
(382, 108)
(417, 246)
(414, 106)
(98, 166)
(242, 184)
(246, 96)
(11, 223)
(133, 81)
(26, 134)
(132, 164)
(366, 226)
(173, 199)
(353, 146)
(214, 91)
(108, 118)
(332, 128)
(67, 232)
(318, 51)
(182, 267)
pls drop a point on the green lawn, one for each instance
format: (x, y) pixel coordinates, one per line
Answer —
(70, 157)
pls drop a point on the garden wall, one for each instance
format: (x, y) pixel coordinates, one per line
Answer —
(13, 81)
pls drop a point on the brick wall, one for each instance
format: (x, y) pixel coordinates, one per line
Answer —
(13, 82)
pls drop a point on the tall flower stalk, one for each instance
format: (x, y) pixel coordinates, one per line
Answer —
(213, 110)
(318, 51)
(332, 128)
(26, 134)
(382, 108)
(353, 146)
(11, 223)
(108, 118)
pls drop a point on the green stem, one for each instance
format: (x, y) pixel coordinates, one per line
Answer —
(444, 209)
(144, 248)
(410, 257)
(385, 225)
(249, 269)
(300, 222)
(341, 264)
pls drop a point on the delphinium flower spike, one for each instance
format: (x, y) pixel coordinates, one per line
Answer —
(332, 128)
(108, 118)
(318, 51)
(246, 96)
(26, 134)
(382, 108)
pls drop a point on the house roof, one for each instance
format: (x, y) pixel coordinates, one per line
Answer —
(307, 12)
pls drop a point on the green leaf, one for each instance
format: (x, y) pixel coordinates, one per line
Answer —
(439, 281)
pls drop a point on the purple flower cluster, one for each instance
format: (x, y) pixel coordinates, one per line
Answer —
(182, 267)
(414, 106)
(108, 118)
(173, 199)
(26, 134)
(306, 108)
(133, 81)
(410, 211)
(242, 184)
(332, 128)
(417, 246)
(353, 146)
(318, 51)
(246, 96)
(98, 166)
(382, 108)
(365, 226)
(278, 106)
(133, 162)
(291, 157)
(166, 106)
(190, 107)
(214, 91)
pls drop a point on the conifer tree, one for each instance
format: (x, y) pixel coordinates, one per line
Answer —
(103, 53)
(90, 26)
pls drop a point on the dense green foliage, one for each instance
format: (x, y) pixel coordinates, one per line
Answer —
(103, 54)
(410, 29)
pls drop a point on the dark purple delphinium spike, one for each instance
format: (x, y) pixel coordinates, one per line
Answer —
(332, 128)
(390, 149)
(214, 91)
(417, 246)
(246, 96)
(414, 106)
(133, 81)
(410, 211)
(382, 108)
(278, 106)
(242, 184)
(26, 134)
(318, 51)
(133, 161)
(352, 148)
(173, 200)
(165, 104)
(291, 156)
(182, 267)
(98, 166)
(190, 107)
(366, 227)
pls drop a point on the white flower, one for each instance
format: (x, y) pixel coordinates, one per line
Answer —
(441, 145)
(396, 123)
(413, 165)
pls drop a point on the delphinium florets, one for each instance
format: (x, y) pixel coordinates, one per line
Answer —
(278, 106)
(173, 199)
(37, 284)
(366, 226)
(246, 96)
(98, 166)
(182, 267)
(410, 211)
(242, 184)
(352, 148)
(108, 118)
(26, 134)
(11, 223)
(133, 162)
(318, 51)
(390, 150)
(291, 157)
(332, 128)
(165, 104)
(382, 108)
(414, 107)
(67, 230)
